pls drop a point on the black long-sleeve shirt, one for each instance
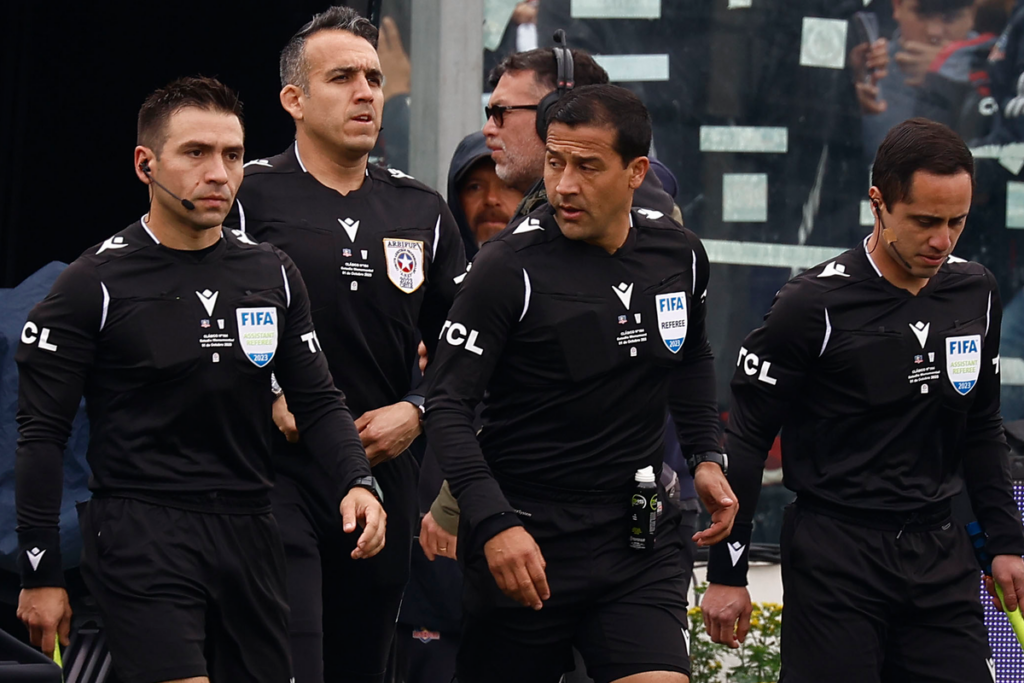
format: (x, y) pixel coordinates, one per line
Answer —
(380, 263)
(173, 351)
(881, 396)
(577, 351)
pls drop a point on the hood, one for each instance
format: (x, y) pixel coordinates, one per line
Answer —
(472, 148)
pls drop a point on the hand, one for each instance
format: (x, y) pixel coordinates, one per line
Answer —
(719, 500)
(518, 566)
(362, 507)
(1008, 572)
(869, 64)
(525, 13)
(421, 352)
(915, 58)
(394, 62)
(284, 420)
(47, 614)
(386, 432)
(726, 611)
(435, 541)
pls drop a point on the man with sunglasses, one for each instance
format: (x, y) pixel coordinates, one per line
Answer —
(520, 82)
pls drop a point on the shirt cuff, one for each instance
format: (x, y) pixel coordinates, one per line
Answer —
(39, 560)
(728, 560)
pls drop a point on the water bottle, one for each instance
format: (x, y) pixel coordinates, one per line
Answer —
(644, 510)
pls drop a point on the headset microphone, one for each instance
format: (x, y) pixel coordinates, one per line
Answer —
(144, 167)
(890, 237)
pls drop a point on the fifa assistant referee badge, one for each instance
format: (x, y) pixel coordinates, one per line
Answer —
(720, 459)
(370, 484)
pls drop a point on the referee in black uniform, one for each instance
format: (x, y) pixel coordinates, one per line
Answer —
(171, 329)
(882, 369)
(380, 253)
(577, 326)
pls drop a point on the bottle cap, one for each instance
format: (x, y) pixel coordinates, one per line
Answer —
(645, 474)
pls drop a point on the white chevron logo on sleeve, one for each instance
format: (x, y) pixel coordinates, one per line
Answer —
(529, 225)
(242, 237)
(115, 242)
(736, 552)
(459, 278)
(832, 269)
(34, 556)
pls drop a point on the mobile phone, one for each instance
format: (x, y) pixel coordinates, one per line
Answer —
(865, 30)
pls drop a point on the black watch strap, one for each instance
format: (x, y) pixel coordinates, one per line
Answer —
(370, 483)
(417, 401)
(720, 459)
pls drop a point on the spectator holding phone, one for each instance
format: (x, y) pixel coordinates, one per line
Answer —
(924, 29)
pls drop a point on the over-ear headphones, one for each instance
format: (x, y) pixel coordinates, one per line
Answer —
(566, 82)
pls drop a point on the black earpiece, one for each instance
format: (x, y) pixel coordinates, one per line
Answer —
(566, 82)
(144, 167)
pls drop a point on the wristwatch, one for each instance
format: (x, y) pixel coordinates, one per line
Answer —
(370, 484)
(721, 459)
(418, 401)
(275, 388)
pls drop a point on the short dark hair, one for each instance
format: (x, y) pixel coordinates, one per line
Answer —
(294, 67)
(611, 106)
(933, 7)
(192, 91)
(542, 63)
(918, 145)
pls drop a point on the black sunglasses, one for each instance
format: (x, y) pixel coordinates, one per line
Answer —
(497, 112)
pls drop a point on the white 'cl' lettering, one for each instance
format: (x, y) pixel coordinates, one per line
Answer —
(751, 362)
(30, 333)
(456, 334)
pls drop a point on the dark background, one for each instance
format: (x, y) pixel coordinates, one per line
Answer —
(72, 78)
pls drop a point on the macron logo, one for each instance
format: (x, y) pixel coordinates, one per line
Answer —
(529, 225)
(736, 552)
(351, 227)
(242, 237)
(650, 213)
(208, 299)
(920, 331)
(624, 292)
(116, 242)
(834, 269)
(459, 278)
(34, 556)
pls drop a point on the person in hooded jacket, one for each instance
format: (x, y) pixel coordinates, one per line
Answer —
(481, 202)
(429, 625)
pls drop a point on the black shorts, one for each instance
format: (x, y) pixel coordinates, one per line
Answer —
(343, 611)
(863, 606)
(187, 594)
(624, 610)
